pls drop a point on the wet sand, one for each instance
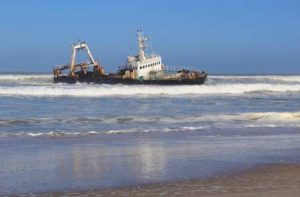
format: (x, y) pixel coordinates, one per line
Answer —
(272, 180)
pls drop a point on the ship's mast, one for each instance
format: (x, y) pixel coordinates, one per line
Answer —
(142, 44)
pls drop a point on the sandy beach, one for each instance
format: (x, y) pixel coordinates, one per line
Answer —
(272, 180)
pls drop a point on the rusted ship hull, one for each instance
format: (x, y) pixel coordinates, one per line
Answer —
(90, 77)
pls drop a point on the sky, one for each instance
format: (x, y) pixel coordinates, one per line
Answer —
(218, 36)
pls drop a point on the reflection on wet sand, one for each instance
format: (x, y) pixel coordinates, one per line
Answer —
(145, 160)
(126, 160)
(153, 160)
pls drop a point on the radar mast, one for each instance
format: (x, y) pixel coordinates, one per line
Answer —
(142, 39)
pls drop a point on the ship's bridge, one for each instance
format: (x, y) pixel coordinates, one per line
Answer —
(144, 65)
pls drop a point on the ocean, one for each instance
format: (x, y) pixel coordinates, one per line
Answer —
(62, 137)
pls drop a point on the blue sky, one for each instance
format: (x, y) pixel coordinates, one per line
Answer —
(219, 36)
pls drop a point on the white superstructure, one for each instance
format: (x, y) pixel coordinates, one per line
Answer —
(144, 65)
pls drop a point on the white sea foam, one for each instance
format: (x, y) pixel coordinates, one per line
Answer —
(84, 90)
(266, 117)
(263, 117)
(58, 134)
(42, 85)
(32, 77)
(17, 77)
(192, 123)
(276, 78)
(32, 134)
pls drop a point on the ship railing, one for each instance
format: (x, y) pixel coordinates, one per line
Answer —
(61, 67)
(171, 72)
(151, 55)
(78, 65)
(174, 69)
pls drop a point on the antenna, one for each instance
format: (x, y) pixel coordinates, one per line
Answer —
(141, 39)
(150, 40)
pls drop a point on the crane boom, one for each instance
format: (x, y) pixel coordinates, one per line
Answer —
(76, 48)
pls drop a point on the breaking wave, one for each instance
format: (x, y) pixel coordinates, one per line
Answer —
(82, 90)
(58, 134)
(42, 86)
(191, 123)
(270, 78)
(28, 77)
(263, 117)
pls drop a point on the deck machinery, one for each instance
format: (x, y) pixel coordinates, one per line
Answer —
(84, 71)
(139, 69)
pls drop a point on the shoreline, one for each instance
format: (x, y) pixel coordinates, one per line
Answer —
(148, 165)
(265, 180)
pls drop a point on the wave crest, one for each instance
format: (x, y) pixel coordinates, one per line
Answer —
(84, 90)
(192, 123)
